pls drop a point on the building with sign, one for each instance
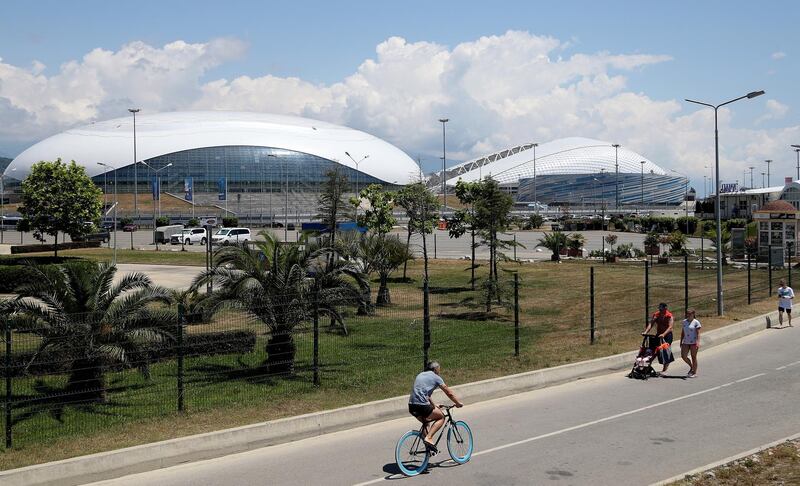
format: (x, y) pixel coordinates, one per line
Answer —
(242, 163)
(777, 227)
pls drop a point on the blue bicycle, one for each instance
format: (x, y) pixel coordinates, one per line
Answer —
(412, 455)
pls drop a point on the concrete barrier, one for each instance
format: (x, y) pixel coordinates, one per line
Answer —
(117, 463)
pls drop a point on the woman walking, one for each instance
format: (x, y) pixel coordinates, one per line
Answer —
(690, 342)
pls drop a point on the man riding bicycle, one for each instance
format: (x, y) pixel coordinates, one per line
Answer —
(421, 406)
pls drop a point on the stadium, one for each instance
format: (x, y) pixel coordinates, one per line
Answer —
(251, 165)
(575, 171)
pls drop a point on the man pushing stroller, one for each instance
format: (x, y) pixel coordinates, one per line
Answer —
(663, 321)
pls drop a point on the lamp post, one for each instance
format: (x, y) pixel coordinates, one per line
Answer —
(135, 171)
(286, 206)
(443, 121)
(535, 201)
(751, 176)
(114, 228)
(616, 177)
(358, 194)
(797, 151)
(157, 196)
(716, 108)
(763, 174)
(643, 162)
(768, 161)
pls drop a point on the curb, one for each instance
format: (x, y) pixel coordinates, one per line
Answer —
(146, 457)
(722, 462)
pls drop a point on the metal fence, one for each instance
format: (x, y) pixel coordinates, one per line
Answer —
(96, 377)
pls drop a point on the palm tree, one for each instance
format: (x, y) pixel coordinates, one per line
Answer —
(393, 253)
(725, 239)
(361, 251)
(281, 286)
(554, 241)
(80, 314)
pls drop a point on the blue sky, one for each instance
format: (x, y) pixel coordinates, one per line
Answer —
(717, 50)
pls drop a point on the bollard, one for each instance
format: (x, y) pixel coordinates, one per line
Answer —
(516, 314)
(591, 306)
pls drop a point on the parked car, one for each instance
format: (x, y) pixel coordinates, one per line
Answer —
(227, 236)
(130, 228)
(9, 222)
(102, 236)
(189, 236)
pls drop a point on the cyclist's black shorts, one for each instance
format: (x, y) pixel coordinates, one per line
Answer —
(420, 411)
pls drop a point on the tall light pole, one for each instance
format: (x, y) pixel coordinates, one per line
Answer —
(763, 180)
(286, 207)
(157, 196)
(797, 151)
(114, 228)
(535, 201)
(616, 177)
(716, 108)
(135, 171)
(751, 176)
(768, 162)
(358, 194)
(643, 162)
(443, 121)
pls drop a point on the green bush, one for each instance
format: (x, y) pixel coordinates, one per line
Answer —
(162, 221)
(680, 224)
(12, 269)
(193, 222)
(734, 223)
(230, 221)
(125, 221)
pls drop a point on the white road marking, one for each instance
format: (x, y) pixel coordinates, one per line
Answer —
(589, 424)
(787, 366)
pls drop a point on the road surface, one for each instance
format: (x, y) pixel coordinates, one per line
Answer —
(608, 430)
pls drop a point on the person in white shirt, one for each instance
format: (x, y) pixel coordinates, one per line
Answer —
(785, 296)
(690, 341)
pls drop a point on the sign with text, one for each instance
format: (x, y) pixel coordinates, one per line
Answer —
(729, 187)
(188, 188)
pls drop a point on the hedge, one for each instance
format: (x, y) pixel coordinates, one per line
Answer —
(12, 270)
(204, 344)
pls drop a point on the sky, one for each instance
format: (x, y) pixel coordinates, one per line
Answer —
(504, 73)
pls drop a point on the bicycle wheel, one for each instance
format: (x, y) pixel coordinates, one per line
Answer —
(459, 442)
(411, 454)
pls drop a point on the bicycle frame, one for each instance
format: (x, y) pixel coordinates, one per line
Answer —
(447, 424)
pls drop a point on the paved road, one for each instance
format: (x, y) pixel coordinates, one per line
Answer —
(601, 431)
(439, 243)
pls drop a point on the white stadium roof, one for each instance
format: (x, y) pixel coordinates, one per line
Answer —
(111, 142)
(572, 155)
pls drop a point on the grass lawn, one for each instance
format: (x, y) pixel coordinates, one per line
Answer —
(776, 465)
(379, 357)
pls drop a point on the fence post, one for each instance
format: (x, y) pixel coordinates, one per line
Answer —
(316, 339)
(789, 257)
(685, 281)
(591, 305)
(7, 406)
(516, 314)
(515, 247)
(434, 246)
(702, 252)
(769, 271)
(646, 292)
(181, 322)
(426, 323)
(749, 294)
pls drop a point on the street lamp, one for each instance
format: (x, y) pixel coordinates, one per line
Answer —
(797, 150)
(135, 172)
(107, 167)
(2, 204)
(358, 194)
(763, 174)
(751, 176)
(768, 161)
(443, 121)
(643, 162)
(716, 108)
(157, 195)
(535, 201)
(616, 178)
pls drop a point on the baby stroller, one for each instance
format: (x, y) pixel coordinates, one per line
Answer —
(643, 364)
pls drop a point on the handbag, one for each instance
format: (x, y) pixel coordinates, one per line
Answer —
(664, 353)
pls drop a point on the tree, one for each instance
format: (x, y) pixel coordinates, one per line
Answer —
(59, 197)
(331, 205)
(725, 240)
(378, 217)
(464, 219)
(554, 241)
(611, 240)
(281, 286)
(392, 254)
(677, 242)
(421, 207)
(363, 252)
(80, 314)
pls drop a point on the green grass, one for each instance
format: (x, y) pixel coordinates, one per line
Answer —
(378, 358)
(150, 257)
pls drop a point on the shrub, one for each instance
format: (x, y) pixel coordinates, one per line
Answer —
(11, 274)
(681, 224)
(125, 221)
(627, 250)
(230, 221)
(162, 221)
(193, 222)
(734, 223)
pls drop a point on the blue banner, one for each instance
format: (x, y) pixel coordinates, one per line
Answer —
(188, 189)
(156, 189)
(223, 189)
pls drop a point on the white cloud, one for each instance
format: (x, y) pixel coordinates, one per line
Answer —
(497, 90)
(775, 111)
(778, 55)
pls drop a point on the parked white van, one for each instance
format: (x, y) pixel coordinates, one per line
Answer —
(228, 236)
